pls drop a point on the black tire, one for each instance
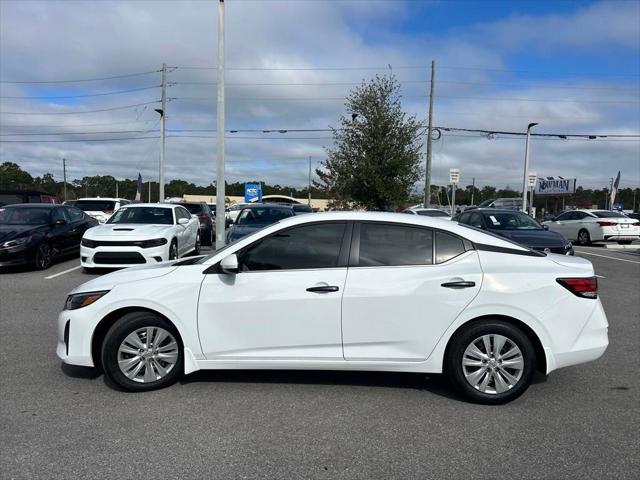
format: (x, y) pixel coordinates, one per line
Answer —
(128, 324)
(196, 249)
(211, 237)
(89, 271)
(44, 256)
(173, 250)
(584, 238)
(624, 242)
(453, 368)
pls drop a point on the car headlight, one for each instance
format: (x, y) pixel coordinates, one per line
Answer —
(80, 300)
(156, 242)
(85, 242)
(16, 242)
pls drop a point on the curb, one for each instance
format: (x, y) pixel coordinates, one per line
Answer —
(622, 247)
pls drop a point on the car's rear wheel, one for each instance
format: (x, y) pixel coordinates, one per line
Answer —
(44, 256)
(173, 250)
(584, 238)
(490, 362)
(142, 351)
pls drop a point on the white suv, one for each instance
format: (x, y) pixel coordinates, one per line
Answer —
(100, 208)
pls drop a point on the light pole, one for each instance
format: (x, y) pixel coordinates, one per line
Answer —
(64, 176)
(309, 189)
(162, 112)
(220, 223)
(525, 179)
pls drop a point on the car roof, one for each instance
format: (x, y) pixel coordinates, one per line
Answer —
(112, 199)
(268, 205)
(155, 205)
(32, 205)
(476, 236)
(495, 210)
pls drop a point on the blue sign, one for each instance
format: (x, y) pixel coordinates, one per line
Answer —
(252, 192)
(618, 206)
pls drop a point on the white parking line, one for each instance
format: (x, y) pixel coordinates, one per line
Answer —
(62, 273)
(605, 256)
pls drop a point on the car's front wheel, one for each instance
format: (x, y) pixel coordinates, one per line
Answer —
(173, 250)
(490, 362)
(44, 256)
(196, 248)
(142, 351)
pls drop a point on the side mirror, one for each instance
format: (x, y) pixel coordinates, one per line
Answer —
(60, 221)
(183, 221)
(229, 264)
(545, 227)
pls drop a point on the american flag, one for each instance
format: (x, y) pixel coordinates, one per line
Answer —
(614, 191)
(139, 188)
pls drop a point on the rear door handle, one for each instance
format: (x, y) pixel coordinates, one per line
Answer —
(323, 289)
(461, 284)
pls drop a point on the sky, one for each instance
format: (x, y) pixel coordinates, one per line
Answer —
(571, 66)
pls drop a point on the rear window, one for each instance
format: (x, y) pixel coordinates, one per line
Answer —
(96, 205)
(194, 208)
(262, 216)
(433, 213)
(608, 214)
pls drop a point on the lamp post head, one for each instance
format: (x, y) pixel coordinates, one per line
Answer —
(531, 125)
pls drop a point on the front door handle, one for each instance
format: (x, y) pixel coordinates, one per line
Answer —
(323, 289)
(460, 284)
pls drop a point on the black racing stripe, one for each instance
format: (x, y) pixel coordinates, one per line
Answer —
(512, 251)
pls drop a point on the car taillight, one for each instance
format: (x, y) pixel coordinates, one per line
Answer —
(108, 212)
(635, 224)
(607, 224)
(581, 287)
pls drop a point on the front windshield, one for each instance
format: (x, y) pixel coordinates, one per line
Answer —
(433, 213)
(608, 214)
(25, 216)
(144, 215)
(511, 221)
(96, 205)
(262, 216)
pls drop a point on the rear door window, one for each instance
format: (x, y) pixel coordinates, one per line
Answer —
(394, 245)
(448, 247)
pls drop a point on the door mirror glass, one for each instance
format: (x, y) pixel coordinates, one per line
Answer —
(229, 264)
(183, 221)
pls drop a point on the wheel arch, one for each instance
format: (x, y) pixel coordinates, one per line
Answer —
(541, 358)
(110, 319)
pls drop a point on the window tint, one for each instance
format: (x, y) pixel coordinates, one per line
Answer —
(447, 247)
(464, 218)
(25, 216)
(96, 205)
(607, 214)
(310, 246)
(579, 215)
(74, 213)
(564, 216)
(263, 215)
(432, 213)
(476, 220)
(193, 207)
(387, 245)
(144, 215)
(183, 213)
(59, 214)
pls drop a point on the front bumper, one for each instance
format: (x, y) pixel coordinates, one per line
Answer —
(21, 255)
(122, 257)
(75, 330)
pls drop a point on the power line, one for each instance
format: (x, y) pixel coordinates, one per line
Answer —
(81, 111)
(117, 92)
(113, 77)
(79, 140)
(71, 133)
(79, 125)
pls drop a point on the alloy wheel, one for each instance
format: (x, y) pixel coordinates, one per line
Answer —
(173, 251)
(148, 354)
(583, 237)
(492, 364)
(44, 257)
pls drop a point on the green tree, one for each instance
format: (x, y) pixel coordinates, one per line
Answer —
(13, 177)
(375, 160)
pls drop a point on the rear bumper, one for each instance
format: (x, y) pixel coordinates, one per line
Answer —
(590, 344)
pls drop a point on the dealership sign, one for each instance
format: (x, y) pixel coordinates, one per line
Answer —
(555, 186)
(252, 192)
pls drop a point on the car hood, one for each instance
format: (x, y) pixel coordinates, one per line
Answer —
(126, 275)
(10, 232)
(534, 238)
(119, 230)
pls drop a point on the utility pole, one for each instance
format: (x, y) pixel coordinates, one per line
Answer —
(473, 189)
(64, 179)
(220, 223)
(149, 191)
(608, 199)
(427, 179)
(162, 112)
(525, 179)
(116, 188)
(309, 190)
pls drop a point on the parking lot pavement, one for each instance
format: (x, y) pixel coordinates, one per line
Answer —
(580, 422)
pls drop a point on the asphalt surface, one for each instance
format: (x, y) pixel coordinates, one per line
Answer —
(580, 422)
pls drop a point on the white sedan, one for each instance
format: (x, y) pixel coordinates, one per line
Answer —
(141, 234)
(427, 212)
(344, 291)
(587, 226)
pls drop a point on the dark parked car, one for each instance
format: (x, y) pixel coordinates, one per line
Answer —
(38, 233)
(255, 217)
(635, 215)
(300, 208)
(518, 227)
(205, 216)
